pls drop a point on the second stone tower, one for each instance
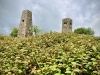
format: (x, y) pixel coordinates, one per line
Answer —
(66, 25)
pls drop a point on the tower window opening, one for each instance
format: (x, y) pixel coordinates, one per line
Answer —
(65, 23)
(22, 20)
(70, 23)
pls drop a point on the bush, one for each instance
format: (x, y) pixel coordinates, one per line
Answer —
(50, 54)
(14, 32)
(87, 31)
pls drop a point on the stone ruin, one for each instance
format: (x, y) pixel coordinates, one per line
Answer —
(25, 27)
(66, 25)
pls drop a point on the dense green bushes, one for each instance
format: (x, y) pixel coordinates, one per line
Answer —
(86, 31)
(50, 54)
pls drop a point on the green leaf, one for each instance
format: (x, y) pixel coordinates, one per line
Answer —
(84, 70)
(94, 48)
(93, 59)
(90, 67)
(20, 71)
(74, 63)
(68, 69)
(95, 63)
(57, 74)
(77, 70)
(9, 73)
(95, 72)
(89, 63)
(68, 72)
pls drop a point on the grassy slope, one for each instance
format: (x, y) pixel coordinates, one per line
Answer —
(50, 54)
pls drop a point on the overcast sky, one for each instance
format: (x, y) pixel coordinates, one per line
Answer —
(48, 14)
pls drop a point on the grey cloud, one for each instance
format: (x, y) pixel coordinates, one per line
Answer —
(84, 12)
(96, 26)
(9, 15)
(48, 14)
(47, 17)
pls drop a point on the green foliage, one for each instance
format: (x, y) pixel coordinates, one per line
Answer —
(14, 32)
(87, 31)
(50, 54)
(36, 29)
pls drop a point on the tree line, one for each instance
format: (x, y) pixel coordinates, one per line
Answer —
(37, 30)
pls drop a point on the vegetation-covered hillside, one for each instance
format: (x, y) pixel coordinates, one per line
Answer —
(50, 54)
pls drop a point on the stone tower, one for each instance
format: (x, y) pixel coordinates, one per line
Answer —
(66, 25)
(25, 27)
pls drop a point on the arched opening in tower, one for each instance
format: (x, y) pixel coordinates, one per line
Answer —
(65, 24)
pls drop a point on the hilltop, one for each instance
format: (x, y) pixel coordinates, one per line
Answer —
(50, 54)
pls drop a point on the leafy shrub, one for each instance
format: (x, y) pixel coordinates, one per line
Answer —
(82, 30)
(14, 32)
(50, 54)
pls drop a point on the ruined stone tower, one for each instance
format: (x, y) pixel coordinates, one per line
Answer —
(25, 27)
(66, 25)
